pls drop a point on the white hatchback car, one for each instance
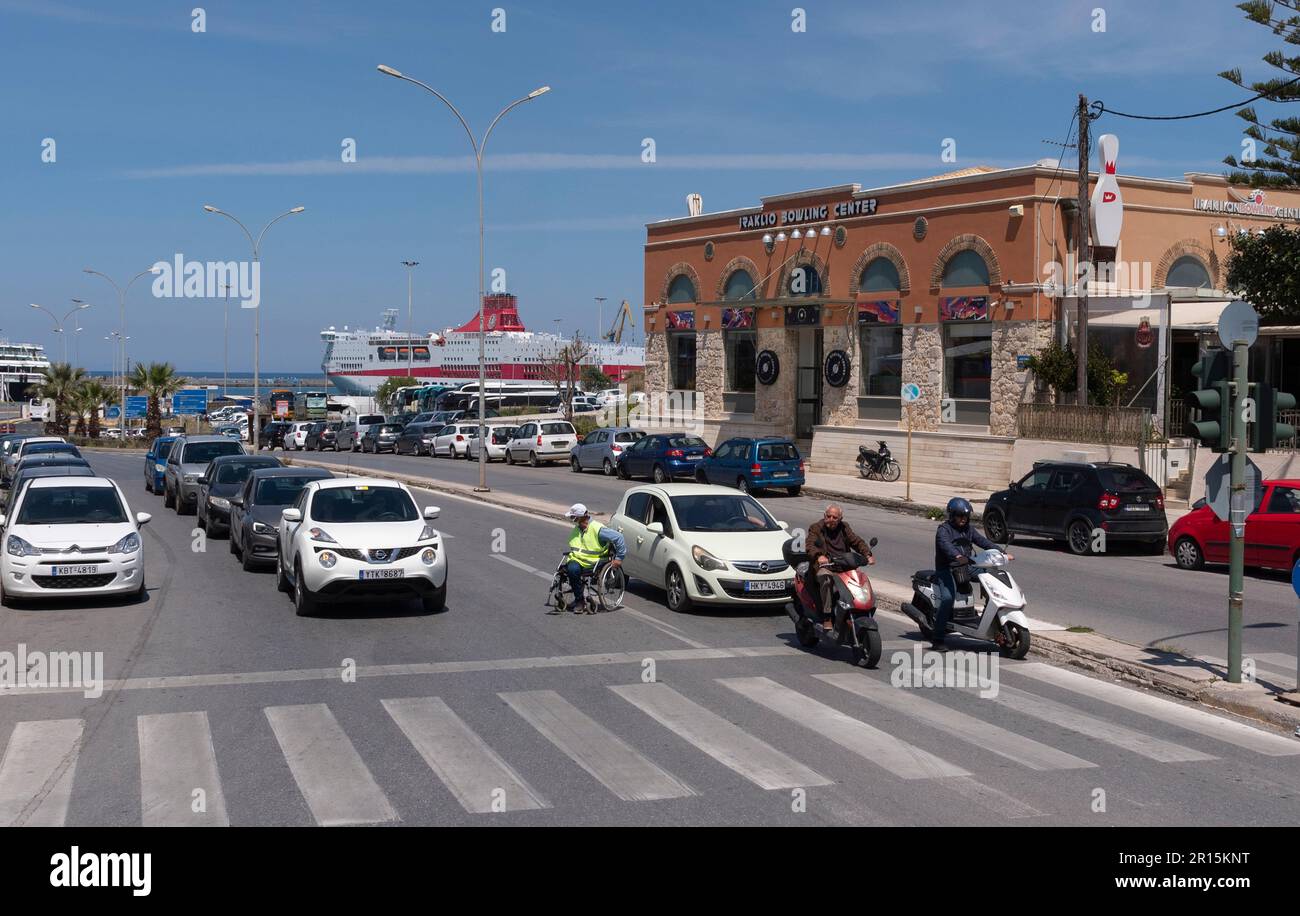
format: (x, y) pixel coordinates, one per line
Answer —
(71, 537)
(704, 544)
(359, 537)
(541, 442)
(498, 437)
(295, 437)
(453, 441)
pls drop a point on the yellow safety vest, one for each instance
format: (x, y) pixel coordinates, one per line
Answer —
(586, 546)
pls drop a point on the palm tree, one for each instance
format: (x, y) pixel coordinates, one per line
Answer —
(94, 394)
(59, 383)
(77, 405)
(158, 381)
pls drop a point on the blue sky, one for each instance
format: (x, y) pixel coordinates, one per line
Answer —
(152, 121)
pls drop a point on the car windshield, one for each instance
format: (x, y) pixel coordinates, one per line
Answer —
(363, 503)
(203, 452)
(280, 491)
(49, 448)
(684, 442)
(630, 437)
(370, 419)
(557, 429)
(71, 506)
(777, 451)
(1128, 480)
(238, 471)
(721, 512)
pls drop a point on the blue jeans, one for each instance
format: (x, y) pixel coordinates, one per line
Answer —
(574, 569)
(946, 592)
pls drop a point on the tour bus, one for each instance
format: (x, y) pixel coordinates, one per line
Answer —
(278, 397)
(310, 405)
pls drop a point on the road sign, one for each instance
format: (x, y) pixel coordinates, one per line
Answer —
(190, 400)
(911, 392)
(1218, 487)
(1238, 321)
(137, 406)
(1295, 579)
(112, 412)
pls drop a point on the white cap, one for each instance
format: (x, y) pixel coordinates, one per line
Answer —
(577, 510)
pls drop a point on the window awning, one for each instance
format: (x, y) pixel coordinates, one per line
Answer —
(1184, 316)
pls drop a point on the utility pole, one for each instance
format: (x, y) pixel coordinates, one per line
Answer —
(1083, 252)
(1238, 507)
(410, 324)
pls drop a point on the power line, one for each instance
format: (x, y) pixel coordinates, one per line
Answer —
(1102, 109)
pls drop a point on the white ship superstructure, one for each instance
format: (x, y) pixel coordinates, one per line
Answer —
(21, 366)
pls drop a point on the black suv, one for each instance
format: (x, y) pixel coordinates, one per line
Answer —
(1068, 501)
(323, 435)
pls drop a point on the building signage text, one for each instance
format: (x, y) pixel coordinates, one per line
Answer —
(1245, 208)
(842, 210)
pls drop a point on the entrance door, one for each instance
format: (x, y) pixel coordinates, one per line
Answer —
(808, 386)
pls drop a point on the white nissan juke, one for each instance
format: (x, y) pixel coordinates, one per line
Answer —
(351, 538)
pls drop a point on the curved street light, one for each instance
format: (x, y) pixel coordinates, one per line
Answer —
(60, 322)
(121, 307)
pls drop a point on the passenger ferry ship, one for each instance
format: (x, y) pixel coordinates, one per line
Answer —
(21, 367)
(357, 361)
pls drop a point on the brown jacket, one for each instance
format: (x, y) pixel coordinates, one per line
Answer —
(816, 545)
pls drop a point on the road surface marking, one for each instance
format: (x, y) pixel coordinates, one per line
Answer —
(1196, 720)
(467, 766)
(881, 748)
(1026, 751)
(600, 752)
(330, 774)
(725, 742)
(177, 757)
(35, 752)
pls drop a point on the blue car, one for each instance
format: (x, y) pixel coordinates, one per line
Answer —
(754, 464)
(155, 463)
(663, 457)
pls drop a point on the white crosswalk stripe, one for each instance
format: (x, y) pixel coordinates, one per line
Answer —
(997, 740)
(176, 760)
(722, 740)
(36, 772)
(479, 779)
(334, 781)
(1197, 720)
(600, 752)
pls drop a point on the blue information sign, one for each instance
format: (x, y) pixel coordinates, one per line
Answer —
(112, 412)
(190, 400)
(137, 406)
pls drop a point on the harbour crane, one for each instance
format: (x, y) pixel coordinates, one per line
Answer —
(615, 334)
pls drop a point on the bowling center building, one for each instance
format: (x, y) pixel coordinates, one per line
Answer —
(813, 314)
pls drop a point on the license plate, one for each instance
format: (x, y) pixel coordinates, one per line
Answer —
(1137, 507)
(764, 585)
(781, 474)
(382, 573)
(73, 570)
(558, 443)
(694, 457)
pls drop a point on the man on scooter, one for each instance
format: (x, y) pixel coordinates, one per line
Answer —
(954, 545)
(827, 538)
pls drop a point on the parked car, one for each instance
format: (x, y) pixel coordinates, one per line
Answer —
(329, 545)
(416, 439)
(16, 450)
(255, 511)
(112, 433)
(754, 464)
(705, 544)
(470, 413)
(175, 430)
(542, 442)
(425, 417)
(295, 437)
(272, 435)
(663, 457)
(364, 422)
(71, 537)
(1069, 501)
(186, 462)
(600, 449)
(155, 463)
(323, 435)
(32, 462)
(31, 448)
(1272, 531)
(498, 437)
(346, 438)
(230, 431)
(381, 437)
(45, 467)
(452, 441)
(222, 479)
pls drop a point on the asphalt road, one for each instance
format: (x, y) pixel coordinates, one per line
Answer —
(233, 710)
(1143, 600)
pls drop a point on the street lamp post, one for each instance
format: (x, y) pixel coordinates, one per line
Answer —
(59, 323)
(257, 315)
(225, 358)
(410, 327)
(121, 307)
(478, 146)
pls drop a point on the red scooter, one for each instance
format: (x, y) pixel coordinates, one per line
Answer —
(855, 605)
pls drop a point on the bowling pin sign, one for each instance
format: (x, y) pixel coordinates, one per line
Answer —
(1107, 202)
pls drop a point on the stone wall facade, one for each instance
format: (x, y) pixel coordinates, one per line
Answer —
(657, 372)
(923, 365)
(710, 371)
(840, 405)
(1010, 386)
(774, 404)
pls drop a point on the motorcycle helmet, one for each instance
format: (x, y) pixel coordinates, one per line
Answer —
(958, 506)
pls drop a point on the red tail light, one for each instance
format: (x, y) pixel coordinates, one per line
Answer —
(460, 438)
(616, 448)
(1108, 501)
(801, 467)
(675, 453)
(1160, 500)
(756, 469)
(539, 440)
(708, 452)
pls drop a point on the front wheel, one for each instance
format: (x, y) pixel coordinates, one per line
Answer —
(868, 653)
(679, 600)
(281, 580)
(805, 633)
(891, 471)
(304, 604)
(1014, 642)
(995, 526)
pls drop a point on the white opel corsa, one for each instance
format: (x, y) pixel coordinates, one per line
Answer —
(67, 537)
(704, 544)
(351, 538)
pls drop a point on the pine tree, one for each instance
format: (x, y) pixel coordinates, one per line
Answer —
(1278, 163)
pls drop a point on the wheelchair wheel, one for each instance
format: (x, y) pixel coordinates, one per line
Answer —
(610, 586)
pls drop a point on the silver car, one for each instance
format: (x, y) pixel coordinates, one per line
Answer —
(601, 448)
(186, 463)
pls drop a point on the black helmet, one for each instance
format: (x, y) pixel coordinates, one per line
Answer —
(958, 506)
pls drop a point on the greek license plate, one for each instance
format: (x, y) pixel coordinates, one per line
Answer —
(73, 570)
(694, 457)
(765, 585)
(382, 573)
(558, 443)
(1137, 507)
(780, 473)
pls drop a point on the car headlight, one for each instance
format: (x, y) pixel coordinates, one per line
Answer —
(428, 556)
(320, 534)
(191, 478)
(17, 547)
(160, 467)
(260, 528)
(219, 501)
(327, 558)
(427, 534)
(128, 544)
(706, 560)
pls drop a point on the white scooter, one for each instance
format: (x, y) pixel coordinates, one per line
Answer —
(991, 606)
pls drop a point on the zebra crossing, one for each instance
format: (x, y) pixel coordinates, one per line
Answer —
(179, 760)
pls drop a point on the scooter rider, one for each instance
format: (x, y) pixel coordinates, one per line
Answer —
(588, 541)
(830, 536)
(954, 545)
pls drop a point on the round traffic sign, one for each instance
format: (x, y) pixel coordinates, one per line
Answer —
(911, 392)
(112, 412)
(1238, 321)
(1295, 579)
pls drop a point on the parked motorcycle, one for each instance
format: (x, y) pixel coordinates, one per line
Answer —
(989, 605)
(855, 605)
(877, 463)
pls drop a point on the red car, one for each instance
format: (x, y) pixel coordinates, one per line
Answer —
(1272, 531)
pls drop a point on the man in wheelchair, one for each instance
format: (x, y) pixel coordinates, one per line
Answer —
(589, 543)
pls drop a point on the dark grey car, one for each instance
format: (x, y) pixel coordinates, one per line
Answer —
(255, 511)
(223, 479)
(186, 462)
(599, 449)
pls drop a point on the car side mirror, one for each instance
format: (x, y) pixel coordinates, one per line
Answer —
(655, 527)
(291, 515)
(873, 542)
(237, 501)
(431, 512)
(202, 481)
(142, 518)
(785, 526)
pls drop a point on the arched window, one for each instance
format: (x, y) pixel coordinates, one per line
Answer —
(740, 285)
(1189, 271)
(965, 268)
(681, 289)
(805, 281)
(880, 276)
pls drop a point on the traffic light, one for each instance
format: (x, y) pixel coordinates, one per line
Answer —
(1268, 431)
(1212, 399)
